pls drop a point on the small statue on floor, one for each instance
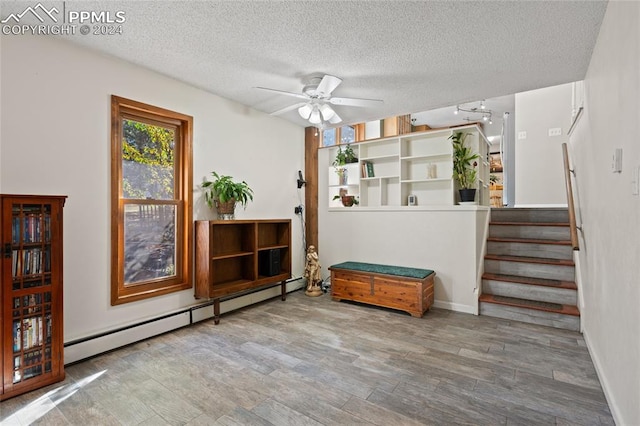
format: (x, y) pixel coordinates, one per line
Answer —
(312, 273)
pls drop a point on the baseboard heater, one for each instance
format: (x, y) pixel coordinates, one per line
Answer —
(90, 346)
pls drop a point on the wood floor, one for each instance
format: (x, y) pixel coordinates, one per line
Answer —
(311, 361)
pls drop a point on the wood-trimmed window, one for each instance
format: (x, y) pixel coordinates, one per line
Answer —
(151, 201)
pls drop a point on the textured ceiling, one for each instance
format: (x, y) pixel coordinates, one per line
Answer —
(416, 55)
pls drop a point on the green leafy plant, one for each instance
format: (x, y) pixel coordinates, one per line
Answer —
(464, 161)
(341, 158)
(223, 189)
(350, 155)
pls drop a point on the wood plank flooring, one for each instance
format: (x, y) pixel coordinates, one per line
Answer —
(311, 361)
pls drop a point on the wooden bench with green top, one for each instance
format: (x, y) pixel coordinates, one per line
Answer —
(395, 287)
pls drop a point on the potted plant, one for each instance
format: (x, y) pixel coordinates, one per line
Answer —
(346, 199)
(464, 166)
(224, 193)
(350, 155)
(339, 163)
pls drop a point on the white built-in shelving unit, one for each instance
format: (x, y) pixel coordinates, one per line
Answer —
(415, 164)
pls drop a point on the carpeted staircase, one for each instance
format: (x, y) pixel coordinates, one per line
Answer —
(529, 273)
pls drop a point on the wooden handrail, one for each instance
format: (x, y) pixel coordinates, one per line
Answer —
(572, 212)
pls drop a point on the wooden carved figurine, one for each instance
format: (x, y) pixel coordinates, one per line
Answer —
(312, 273)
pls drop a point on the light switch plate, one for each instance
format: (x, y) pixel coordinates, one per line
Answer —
(556, 131)
(522, 135)
(616, 163)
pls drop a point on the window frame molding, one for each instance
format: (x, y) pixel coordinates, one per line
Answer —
(122, 108)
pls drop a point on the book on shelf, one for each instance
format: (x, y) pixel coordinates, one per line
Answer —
(367, 169)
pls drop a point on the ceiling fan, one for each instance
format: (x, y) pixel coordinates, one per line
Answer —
(317, 97)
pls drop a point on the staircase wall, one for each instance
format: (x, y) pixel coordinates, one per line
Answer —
(609, 257)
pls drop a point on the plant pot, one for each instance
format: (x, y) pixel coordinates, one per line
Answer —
(348, 200)
(467, 195)
(227, 209)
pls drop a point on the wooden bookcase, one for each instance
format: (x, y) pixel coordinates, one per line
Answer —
(31, 293)
(236, 257)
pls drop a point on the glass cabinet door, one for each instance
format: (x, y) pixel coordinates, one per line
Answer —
(29, 293)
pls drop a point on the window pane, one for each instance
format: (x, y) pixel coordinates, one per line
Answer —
(347, 134)
(149, 238)
(147, 161)
(329, 137)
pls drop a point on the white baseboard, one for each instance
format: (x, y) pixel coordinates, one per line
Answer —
(98, 345)
(457, 307)
(92, 346)
(603, 381)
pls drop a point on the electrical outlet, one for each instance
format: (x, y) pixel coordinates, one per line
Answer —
(635, 185)
(298, 210)
(556, 131)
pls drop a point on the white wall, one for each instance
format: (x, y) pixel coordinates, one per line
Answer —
(610, 245)
(539, 178)
(449, 241)
(56, 140)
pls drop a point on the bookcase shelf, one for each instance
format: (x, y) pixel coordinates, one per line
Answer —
(235, 257)
(31, 293)
(416, 164)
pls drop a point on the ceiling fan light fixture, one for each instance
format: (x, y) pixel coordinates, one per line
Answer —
(335, 119)
(327, 112)
(315, 118)
(305, 111)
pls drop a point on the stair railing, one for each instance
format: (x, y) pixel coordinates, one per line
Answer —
(572, 212)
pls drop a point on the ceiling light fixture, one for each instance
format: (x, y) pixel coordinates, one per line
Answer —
(305, 111)
(327, 112)
(315, 117)
(318, 114)
(484, 114)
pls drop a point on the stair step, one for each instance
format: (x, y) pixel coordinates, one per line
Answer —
(530, 231)
(533, 312)
(507, 223)
(532, 267)
(531, 304)
(530, 241)
(535, 289)
(529, 248)
(570, 285)
(527, 259)
(531, 214)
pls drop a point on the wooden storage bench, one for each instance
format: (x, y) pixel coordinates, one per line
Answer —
(396, 287)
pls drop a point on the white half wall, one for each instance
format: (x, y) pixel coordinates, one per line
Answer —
(56, 140)
(539, 175)
(448, 240)
(609, 211)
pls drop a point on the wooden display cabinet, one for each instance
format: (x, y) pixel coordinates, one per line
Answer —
(236, 257)
(31, 293)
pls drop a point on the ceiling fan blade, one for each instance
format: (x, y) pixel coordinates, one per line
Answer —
(282, 92)
(335, 119)
(328, 85)
(287, 109)
(355, 102)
